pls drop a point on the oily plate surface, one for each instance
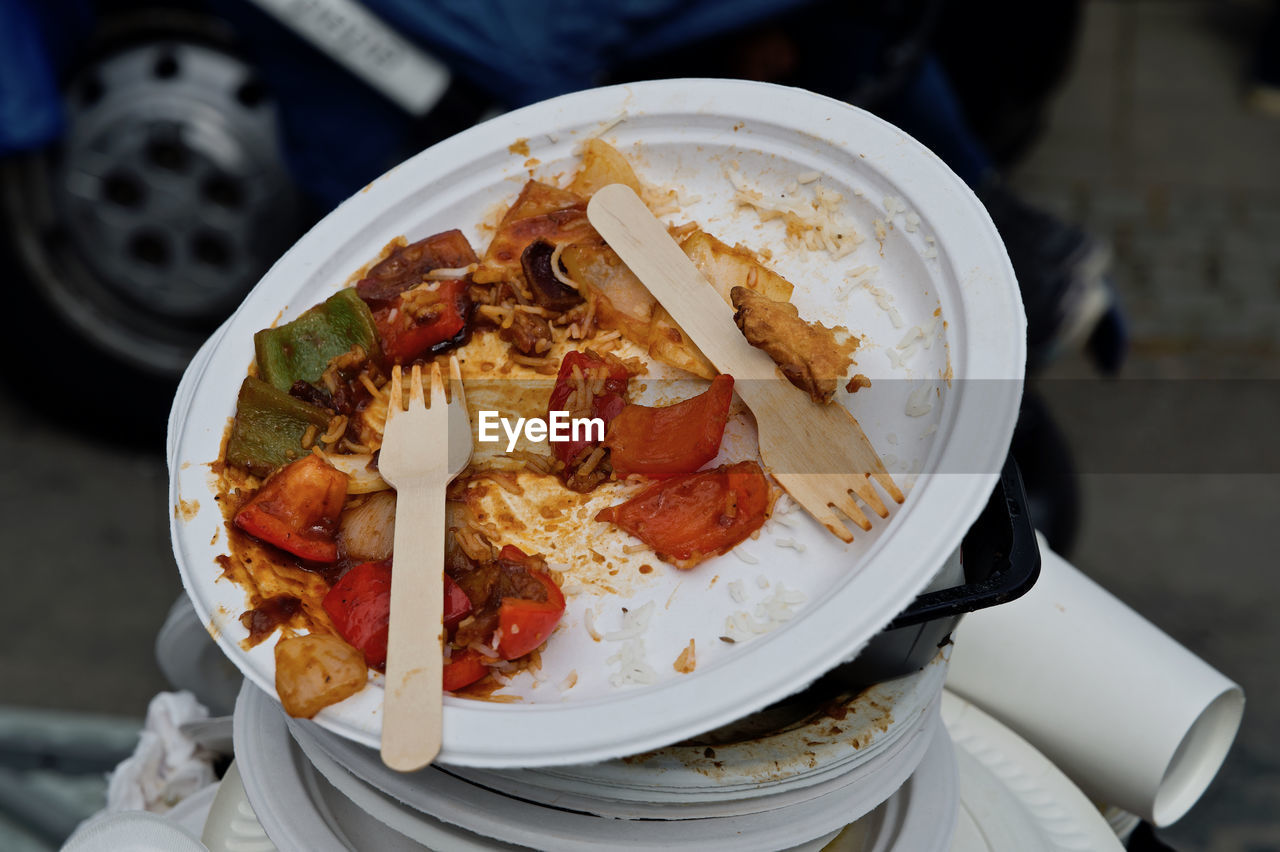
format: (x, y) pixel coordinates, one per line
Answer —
(941, 416)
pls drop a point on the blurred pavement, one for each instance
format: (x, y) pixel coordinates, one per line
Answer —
(1150, 147)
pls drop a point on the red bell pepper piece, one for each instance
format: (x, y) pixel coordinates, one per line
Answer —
(464, 668)
(526, 624)
(457, 605)
(674, 439)
(360, 606)
(437, 318)
(688, 518)
(606, 405)
(298, 509)
(511, 553)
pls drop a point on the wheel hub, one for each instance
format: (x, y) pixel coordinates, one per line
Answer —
(169, 185)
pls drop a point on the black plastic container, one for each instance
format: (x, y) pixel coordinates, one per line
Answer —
(999, 560)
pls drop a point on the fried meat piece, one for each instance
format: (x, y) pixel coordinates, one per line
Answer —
(529, 333)
(811, 356)
(858, 382)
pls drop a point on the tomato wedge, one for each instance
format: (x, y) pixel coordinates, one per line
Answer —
(360, 606)
(674, 439)
(526, 624)
(298, 509)
(464, 668)
(606, 405)
(688, 518)
(437, 319)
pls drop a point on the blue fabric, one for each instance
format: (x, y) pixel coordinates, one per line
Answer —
(35, 39)
(522, 51)
(337, 133)
(928, 109)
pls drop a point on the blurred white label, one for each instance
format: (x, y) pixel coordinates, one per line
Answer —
(360, 41)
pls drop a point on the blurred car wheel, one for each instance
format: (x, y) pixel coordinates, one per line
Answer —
(167, 198)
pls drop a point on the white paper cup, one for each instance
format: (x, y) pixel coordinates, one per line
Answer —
(1134, 718)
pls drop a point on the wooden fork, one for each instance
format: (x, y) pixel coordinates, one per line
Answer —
(422, 450)
(818, 453)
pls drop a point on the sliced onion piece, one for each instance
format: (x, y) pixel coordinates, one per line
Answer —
(368, 530)
(363, 477)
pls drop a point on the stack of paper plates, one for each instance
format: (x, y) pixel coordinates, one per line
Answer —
(305, 799)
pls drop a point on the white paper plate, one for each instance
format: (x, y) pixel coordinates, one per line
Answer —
(307, 800)
(439, 795)
(414, 824)
(920, 817)
(1012, 799)
(875, 744)
(298, 809)
(689, 132)
(182, 395)
(191, 661)
(859, 790)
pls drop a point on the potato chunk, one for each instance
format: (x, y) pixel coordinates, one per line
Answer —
(315, 671)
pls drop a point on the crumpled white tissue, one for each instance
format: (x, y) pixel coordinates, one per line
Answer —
(166, 767)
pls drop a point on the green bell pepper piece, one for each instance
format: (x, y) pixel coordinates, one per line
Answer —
(268, 427)
(302, 349)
